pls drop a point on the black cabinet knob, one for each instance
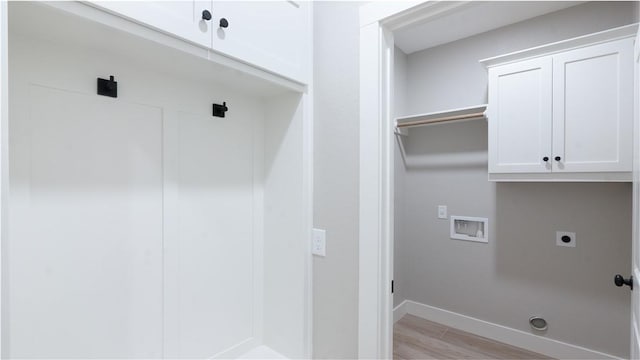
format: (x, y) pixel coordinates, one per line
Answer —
(619, 281)
(558, 158)
(545, 159)
(206, 15)
(224, 23)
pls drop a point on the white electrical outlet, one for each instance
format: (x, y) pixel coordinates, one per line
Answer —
(565, 238)
(319, 242)
(442, 211)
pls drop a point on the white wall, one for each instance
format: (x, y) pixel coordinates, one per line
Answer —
(521, 272)
(336, 133)
(184, 251)
(284, 250)
(181, 276)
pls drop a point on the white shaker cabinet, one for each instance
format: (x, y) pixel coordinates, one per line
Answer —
(270, 35)
(183, 19)
(563, 115)
(593, 108)
(273, 35)
(520, 117)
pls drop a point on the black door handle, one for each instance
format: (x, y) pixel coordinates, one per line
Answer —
(619, 281)
(206, 15)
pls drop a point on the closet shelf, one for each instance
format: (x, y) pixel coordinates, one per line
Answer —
(462, 114)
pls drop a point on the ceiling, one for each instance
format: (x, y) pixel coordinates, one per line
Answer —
(474, 18)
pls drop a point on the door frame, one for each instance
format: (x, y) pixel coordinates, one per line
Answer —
(635, 248)
(378, 21)
(4, 162)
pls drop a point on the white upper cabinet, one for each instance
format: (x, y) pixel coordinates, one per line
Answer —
(593, 108)
(520, 117)
(183, 19)
(563, 114)
(270, 35)
(273, 35)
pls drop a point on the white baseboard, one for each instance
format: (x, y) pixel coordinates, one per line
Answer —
(399, 311)
(237, 350)
(261, 352)
(549, 347)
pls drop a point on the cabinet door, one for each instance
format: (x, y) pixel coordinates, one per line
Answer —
(273, 35)
(593, 108)
(180, 18)
(520, 117)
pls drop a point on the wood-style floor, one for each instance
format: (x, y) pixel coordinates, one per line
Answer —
(417, 338)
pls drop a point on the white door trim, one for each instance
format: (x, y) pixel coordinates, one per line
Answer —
(635, 303)
(4, 156)
(376, 193)
(378, 20)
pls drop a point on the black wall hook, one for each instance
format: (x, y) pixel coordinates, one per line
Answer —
(220, 110)
(108, 87)
(619, 281)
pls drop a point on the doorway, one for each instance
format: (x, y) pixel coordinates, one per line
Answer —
(390, 37)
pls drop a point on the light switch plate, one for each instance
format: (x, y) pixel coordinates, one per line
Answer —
(442, 211)
(319, 242)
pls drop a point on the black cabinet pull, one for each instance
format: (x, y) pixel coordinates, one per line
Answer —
(206, 15)
(619, 281)
(545, 159)
(224, 23)
(558, 158)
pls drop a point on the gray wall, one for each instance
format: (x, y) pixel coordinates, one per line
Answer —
(459, 73)
(336, 164)
(521, 272)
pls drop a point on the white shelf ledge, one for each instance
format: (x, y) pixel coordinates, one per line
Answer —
(461, 114)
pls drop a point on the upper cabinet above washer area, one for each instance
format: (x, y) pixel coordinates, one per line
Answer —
(563, 111)
(270, 35)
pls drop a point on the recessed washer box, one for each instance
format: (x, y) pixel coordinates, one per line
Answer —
(470, 228)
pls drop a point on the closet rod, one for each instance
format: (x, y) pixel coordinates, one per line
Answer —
(479, 115)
